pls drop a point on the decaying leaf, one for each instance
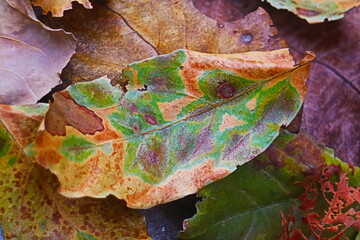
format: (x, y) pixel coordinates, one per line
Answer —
(181, 121)
(57, 7)
(31, 56)
(343, 205)
(128, 31)
(332, 103)
(317, 10)
(247, 204)
(30, 207)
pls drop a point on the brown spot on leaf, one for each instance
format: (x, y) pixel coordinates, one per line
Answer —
(65, 111)
(225, 90)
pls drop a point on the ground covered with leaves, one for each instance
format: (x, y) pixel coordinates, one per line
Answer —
(202, 119)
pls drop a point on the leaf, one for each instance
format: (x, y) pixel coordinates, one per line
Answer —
(57, 7)
(332, 103)
(25, 40)
(118, 33)
(247, 203)
(342, 200)
(317, 10)
(31, 208)
(177, 125)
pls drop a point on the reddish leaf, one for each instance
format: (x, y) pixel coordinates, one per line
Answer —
(342, 201)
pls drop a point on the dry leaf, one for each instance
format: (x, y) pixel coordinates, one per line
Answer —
(57, 7)
(31, 56)
(114, 35)
(31, 208)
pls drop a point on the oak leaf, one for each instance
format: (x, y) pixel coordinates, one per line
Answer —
(30, 207)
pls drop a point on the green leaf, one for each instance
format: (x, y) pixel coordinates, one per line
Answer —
(176, 123)
(247, 203)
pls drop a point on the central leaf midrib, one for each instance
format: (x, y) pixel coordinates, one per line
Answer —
(263, 82)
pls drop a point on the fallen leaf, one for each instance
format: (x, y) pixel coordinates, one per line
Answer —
(31, 208)
(332, 103)
(57, 7)
(317, 10)
(162, 135)
(31, 56)
(115, 34)
(247, 203)
(342, 212)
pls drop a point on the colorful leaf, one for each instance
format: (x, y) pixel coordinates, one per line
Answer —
(343, 204)
(25, 40)
(57, 7)
(248, 203)
(30, 207)
(317, 10)
(176, 124)
(129, 31)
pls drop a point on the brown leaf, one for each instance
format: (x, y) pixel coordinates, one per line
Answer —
(57, 7)
(31, 208)
(332, 104)
(31, 55)
(114, 35)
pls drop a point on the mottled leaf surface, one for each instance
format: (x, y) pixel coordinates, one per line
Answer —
(247, 203)
(129, 31)
(317, 10)
(31, 208)
(31, 55)
(176, 125)
(57, 7)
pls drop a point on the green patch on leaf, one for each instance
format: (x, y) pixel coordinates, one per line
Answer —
(12, 160)
(76, 148)
(4, 142)
(85, 236)
(96, 94)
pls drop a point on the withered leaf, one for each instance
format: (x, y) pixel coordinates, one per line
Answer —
(30, 207)
(115, 34)
(57, 7)
(31, 55)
